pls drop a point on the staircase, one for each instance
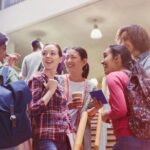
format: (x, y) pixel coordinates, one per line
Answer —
(111, 139)
(93, 130)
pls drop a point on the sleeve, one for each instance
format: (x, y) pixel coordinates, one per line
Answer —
(12, 75)
(89, 101)
(37, 105)
(147, 66)
(117, 99)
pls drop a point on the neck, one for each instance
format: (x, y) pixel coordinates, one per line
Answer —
(136, 54)
(49, 73)
(76, 78)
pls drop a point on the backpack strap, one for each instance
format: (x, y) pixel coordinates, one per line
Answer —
(5, 70)
(5, 73)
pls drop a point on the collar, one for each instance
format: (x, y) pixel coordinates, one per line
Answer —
(143, 55)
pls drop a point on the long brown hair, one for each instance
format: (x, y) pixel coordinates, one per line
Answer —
(137, 35)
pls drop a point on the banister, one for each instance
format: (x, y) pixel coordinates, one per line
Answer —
(80, 132)
(98, 130)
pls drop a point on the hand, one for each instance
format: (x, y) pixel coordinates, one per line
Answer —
(76, 103)
(105, 117)
(51, 85)
(97, 104)
(91, 112)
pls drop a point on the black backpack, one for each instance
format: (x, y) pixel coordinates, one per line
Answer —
(138, 102)
(14, 123)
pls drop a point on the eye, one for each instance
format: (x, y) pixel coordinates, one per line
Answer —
(44, 53)
(53, 53)
(104, 55)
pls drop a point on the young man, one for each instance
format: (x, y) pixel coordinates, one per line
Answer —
(12, 74)
(32, 61)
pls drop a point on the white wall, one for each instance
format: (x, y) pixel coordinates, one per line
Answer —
(32, 11)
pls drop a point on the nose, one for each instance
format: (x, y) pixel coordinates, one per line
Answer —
(102, 61)
(69, 59)
(48, 55)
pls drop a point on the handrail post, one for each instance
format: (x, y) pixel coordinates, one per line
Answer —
(98, 131)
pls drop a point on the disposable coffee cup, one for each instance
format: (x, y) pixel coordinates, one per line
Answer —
(77, 94)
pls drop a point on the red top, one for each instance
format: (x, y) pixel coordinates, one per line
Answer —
(117, 81)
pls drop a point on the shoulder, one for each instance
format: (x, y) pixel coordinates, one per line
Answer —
(116, 77)
(37, 78)
(61, 79)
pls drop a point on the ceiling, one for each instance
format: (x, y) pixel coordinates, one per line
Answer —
(73, 28)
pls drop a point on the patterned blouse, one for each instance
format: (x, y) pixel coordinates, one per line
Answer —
(51, 121)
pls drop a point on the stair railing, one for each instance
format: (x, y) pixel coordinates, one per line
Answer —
(98, 130)
(80, 132)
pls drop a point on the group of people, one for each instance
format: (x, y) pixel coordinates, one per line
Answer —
(55, 115)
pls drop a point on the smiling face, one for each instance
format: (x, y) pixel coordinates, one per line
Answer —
(73, 61)
(110, 62)
(124, 40)
(50, 57)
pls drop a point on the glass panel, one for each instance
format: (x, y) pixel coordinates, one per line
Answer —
(8, 3)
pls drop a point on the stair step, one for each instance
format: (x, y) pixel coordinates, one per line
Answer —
(111, 137)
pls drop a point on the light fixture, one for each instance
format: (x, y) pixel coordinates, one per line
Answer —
(96, 32)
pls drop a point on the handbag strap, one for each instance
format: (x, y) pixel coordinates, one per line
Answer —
(4, 73)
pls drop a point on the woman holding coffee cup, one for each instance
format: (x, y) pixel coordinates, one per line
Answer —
(77, 89)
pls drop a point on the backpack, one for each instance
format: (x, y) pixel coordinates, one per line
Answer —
(138, 102)
(14, 123)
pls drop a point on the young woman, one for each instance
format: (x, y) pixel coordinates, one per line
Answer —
(76, 80)
(137, 40)
(116, 63)
(49, 112)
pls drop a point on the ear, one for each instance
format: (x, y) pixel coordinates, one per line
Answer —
(117, 59)
(84, 61)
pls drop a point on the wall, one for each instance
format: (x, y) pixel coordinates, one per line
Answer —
(14, 18)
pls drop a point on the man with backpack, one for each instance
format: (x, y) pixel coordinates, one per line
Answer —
(12, 74)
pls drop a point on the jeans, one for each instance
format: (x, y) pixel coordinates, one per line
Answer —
(53, 145)
(131, 143)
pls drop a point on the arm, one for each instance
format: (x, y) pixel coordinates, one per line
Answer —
(12, 75)
(95, 105)
(117, 99)
(39, 102)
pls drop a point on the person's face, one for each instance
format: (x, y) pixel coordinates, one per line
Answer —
(50, 57)
(3, 49)
(126, 42)
(73, 61)
(109, 62)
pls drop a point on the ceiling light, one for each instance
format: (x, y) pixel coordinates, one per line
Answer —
(96, 33)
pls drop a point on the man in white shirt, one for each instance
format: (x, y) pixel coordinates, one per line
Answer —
(32, 61)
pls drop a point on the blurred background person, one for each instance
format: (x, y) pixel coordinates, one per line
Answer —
(32, 61)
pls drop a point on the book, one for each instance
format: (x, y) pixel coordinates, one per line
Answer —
(99, 95)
